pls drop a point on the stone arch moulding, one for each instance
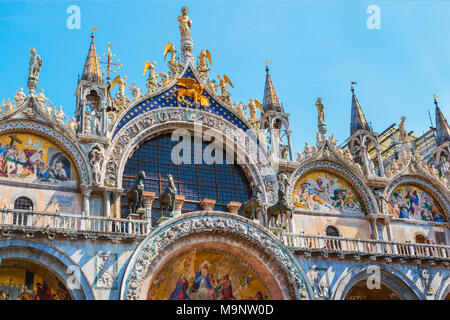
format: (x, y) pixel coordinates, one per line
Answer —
(50, 258)
(393, 279)
(213, 225)
(437, 194)
(368, 199)
(154, 123)
(68, 146)
(444, 290)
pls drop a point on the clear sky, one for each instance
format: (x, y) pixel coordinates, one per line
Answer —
(316, 48)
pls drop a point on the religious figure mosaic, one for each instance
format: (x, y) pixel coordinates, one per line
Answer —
(207, 274)
(411, 202)
(324, 191)
(30, 158)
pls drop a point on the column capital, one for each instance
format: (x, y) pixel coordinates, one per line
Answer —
(207, 204)
(86, 190)
(233, 207)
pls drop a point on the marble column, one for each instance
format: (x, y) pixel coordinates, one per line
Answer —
(179, 202)
(149, 197)
(107, 203)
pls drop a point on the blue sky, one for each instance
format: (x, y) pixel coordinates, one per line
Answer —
(316, 48)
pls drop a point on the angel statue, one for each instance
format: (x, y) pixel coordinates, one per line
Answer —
(253, 119)
(35, 64)
(223, 85)
(173, 63)
(321, 112)
(202, 66)
(185, 23)
(121, 99)
(152, 82)
(20, 97)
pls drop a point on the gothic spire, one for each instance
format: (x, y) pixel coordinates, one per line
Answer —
(271, 101)
(442, 128)
(91, 71)
(358, 120)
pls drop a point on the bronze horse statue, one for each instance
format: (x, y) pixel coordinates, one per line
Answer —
(134, 195)
(253, 205)
(278, 209)
(167, 197)
(282, 206)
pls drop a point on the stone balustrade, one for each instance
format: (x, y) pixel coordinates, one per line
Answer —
(63, 222)
(350, 246)
(34, 221)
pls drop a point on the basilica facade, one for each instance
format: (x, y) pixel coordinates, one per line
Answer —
(177, 192)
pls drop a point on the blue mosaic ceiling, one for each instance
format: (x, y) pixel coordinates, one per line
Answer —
(164, 100)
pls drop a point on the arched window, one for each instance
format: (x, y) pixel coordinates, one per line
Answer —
(23, 203)
(332, 231)
(221, 182)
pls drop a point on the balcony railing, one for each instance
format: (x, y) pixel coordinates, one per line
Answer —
(61, 222)
(364, 247)
(30, 221)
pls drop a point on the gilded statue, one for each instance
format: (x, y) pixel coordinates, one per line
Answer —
(320, 112)
(223, 85)
(192, 89)
(122, 86)
(185, 23)
(152, 82)
(253, 119)
(173, 64)
(202, 59)
(212, 84)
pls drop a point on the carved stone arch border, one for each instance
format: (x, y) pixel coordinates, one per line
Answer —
(444, 289)
(70, 147)
(51, 258)
(157, 122)
(420, 182)
(361, 188)
(394, 280)
(214, 223)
